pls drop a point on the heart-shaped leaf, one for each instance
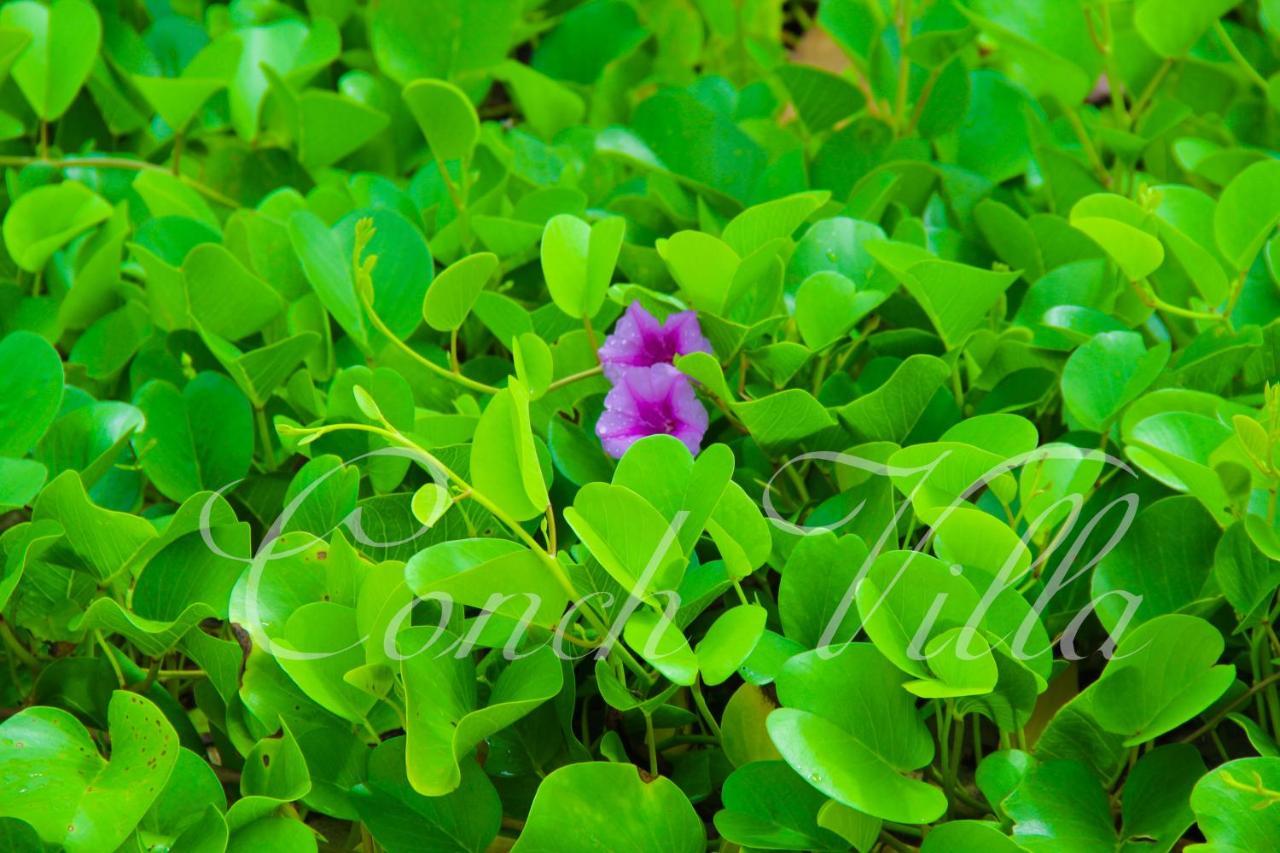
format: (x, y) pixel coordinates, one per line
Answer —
(601, 806)
(444, 714)
(43, 220)
(65, 36)
(57, 781)
(850, 730)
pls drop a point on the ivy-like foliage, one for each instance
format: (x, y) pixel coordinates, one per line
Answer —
(639, 425)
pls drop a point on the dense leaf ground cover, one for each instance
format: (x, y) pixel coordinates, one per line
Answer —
(659, 426)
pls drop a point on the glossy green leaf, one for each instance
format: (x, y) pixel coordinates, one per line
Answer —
(1162, 675)
(1247, 213)
(849, 746)
(56, 780)
(598, 805)
(446, 116)
(45, 219)
(197, 438)
(1106, 373)
(31, 387)
(504, 461)
(1231, 803)
(445, 717)
(578, 261)
(451, 296)
(65, 37)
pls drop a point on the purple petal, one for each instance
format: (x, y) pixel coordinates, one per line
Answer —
(639, 340)
(686, 333)
(652, 400)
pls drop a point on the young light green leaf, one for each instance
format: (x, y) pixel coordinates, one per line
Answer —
(65, 38)
(450, 297)
(578, 261)
(43, 220)
(447, 118)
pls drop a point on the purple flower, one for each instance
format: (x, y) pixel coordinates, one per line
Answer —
(652, 400)
(639, 340)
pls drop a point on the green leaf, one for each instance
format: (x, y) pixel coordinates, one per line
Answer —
(331, 126)
(198, 438)
(1169, 574)
(101, 539)
(704, 368)
(849, 728)
(533, 362)
(1185, 225)
(261, 371)
(1074, 734)
(825, 308)
(447, 118)
(1106, 373)
(289, 49)
(224, 296)
(577, 454)
(43, 220)
(189, 810)
(760, 224)
(817, 586)
(1162, 675)
(13, 42)
(1157, 793)
(276, 768)
(430, 502)
(1123, 230)
(1247, 575)
(956, 297)
(496, 575)
(1247, 213)
(768, 806)
(631, 539)
(978, 540)
(821, 99)
(56, 781)
(329, 272)
(891, 411)
(1060, 806)
(894, 598)
(402, 820)
(321, 496)
(743, 734)
(740, 531)
(65, 38)
(321, 643)
(578, 261)
(445, 719)
(179, 99)
(968, 836)
(729, 642)
(784, 418)
(1048, 46)
(504, 460)
(661, 470)
(404, 268)
(31, 387)
(591, 806)
(547, 106)
(152, 637)
(453, 293)
(20, 481)
(408, 42)
(703, 266)
(1172, 29)
(663, 645)
(1234, 804)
